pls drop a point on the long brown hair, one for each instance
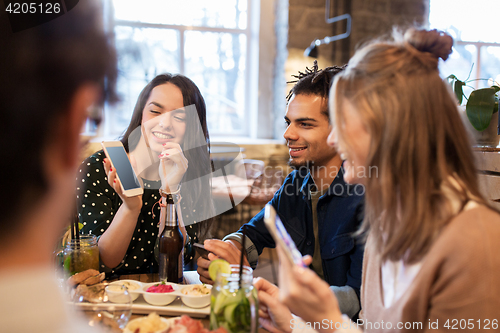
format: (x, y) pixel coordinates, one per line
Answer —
(417, 140)
(195, 147)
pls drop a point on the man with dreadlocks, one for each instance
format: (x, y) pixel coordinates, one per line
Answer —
(319, 210)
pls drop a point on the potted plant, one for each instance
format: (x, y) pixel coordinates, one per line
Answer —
(480, 108)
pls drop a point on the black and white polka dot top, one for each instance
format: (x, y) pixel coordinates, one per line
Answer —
(97, 203)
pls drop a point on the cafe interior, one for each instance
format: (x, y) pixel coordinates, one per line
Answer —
(243, 55)
(271, 41)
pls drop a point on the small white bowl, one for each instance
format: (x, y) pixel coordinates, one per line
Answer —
(118, 294)
(195, 301)
(134, 287)
(160, 298)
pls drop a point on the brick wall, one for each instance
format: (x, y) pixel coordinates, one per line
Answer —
(370, 18)
(306, 22)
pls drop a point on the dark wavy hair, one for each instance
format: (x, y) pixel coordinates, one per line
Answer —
(198, 156)
(315, 81)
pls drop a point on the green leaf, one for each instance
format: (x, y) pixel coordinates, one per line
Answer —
(456, 85)
(457, 88)
(480, 107)
(451, 80)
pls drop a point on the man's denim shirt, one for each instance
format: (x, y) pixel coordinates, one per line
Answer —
(340, 212)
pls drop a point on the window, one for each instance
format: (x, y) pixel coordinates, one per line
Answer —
(208, 41)
(473, 26)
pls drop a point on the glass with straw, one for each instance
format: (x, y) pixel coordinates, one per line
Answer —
(81, 251)
(234, 302)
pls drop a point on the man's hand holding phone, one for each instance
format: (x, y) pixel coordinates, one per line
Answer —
(219, 249)
(200, 249)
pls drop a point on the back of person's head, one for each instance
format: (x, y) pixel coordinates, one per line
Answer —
(314, 81)
(41, 68)
(418, 141)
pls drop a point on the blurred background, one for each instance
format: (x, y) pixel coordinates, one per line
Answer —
(241, 53)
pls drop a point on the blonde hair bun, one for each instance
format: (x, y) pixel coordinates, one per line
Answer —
(435, 42)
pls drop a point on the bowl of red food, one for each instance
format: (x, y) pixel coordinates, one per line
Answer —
(160, 293)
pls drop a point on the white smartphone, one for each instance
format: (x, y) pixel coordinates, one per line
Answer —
(281, 236)
(125, 174)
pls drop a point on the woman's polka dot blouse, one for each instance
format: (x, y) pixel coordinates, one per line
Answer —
(97, 203)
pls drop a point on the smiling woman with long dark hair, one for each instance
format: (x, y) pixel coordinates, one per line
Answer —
(168, 144)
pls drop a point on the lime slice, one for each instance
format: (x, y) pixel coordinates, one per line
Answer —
(67, 263)
(223, 299)
(229, 313)
(218, 266)
(218, 303)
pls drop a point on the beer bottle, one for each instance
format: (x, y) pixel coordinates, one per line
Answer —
(171, 245)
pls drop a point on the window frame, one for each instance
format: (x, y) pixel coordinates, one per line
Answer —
(478, 46)
(455, 32)
(251, 76)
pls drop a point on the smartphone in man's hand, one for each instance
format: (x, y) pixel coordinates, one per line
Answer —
(200, 248)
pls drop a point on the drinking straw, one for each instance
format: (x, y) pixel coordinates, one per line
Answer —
(75, 236)
(241, 256)
(76, 221)
(72, 234)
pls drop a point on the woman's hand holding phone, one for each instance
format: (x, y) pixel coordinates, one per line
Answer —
(305, 293)
(133, 203)
(273, 315)
(118, 168)
(173, 166)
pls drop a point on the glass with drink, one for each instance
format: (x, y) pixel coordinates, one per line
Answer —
(234, 304)
(81, 254)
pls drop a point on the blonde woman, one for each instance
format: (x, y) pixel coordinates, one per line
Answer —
(432, 258)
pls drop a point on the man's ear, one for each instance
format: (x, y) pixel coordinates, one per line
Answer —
(73, 121)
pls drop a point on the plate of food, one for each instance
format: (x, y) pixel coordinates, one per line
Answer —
(152, 323)
(156, 324)
(164, 298)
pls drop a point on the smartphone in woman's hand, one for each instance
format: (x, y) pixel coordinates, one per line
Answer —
(281, 236)
(124, 172)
